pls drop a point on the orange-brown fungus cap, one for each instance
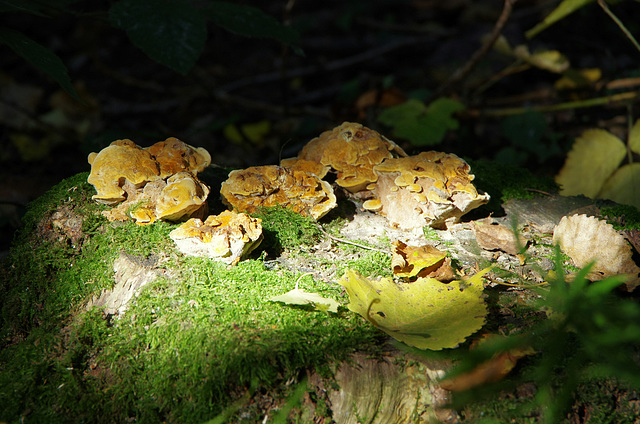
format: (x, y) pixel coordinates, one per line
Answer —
(183, 196)
(121, 160)
(175, 156)
(352, 150)
(226, 237)
(428, 189)
(308, 166)
(248, 189)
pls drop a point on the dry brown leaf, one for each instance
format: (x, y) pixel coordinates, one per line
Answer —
(494, 236)
(585, 239)
(423, 261)
(495, 369)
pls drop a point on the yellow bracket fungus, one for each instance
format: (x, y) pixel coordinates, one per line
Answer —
(249, 189)
(351, 150)
(431, 188)
(227, 237)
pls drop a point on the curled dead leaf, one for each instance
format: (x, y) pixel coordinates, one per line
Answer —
(490, 371)
(587, 239)
(494, 236)
(425, 261)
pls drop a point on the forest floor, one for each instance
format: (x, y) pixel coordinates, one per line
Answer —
(200, 331)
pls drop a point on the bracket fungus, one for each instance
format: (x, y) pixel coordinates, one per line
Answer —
(157, 182)
(121, 160)
(180, 197)
(248, 189)
(431, 188)
(226, 237)
(184, 195)
(174, 156)
(351, 150)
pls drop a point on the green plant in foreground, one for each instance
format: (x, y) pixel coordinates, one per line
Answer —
(591, 333)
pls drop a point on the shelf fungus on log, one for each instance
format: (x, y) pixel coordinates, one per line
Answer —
(157, 182)
(351, 150)
(431, 188)
(121, 161)
(249, 189)
(180, 197)
(174, 156)
(227, 237)
(184, 195)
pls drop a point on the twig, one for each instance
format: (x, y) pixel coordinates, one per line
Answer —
(618, 22)
(461, 73)
(268, 107)
(535, 190)
(271, 77)
(598, 101)
(351, 242)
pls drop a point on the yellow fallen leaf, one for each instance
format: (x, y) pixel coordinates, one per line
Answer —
(426, 314)
(594, 157)
(623, 186)
(634, 137)
(300, 297)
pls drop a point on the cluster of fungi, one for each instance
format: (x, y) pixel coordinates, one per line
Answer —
(160, 183)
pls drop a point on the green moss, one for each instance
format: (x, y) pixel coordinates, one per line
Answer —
(504, 182)
(215, 331)
(622, 216)
(73, 190)
(372, 263)
(188, 345)
(284, 229)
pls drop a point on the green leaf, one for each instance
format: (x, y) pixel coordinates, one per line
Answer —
(39, 57)
(420, 124)
(564, 9)
(171, 32)
(395, 115)
(301, 297)
(249, 21)
(426, 313)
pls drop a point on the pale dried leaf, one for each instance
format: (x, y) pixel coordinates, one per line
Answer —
(494, 236)
(301, 297)
(587, 239)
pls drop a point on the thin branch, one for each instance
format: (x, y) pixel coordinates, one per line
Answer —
(336, 65)
(462, 72)
(618, 22)
(362, 246)
(598, 101)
